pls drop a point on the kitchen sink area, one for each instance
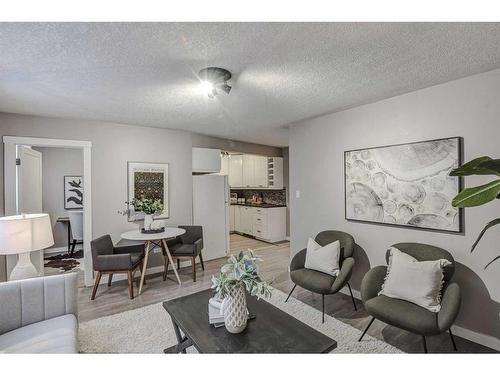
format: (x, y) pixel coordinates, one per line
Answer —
(259, 213)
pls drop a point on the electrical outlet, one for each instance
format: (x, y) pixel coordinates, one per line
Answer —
(156, 250)
(297, 193)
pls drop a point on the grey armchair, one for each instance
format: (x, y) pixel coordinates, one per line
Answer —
(39, 315)
(187, 246)
(319, 282)
(407, 315)
(109, 259)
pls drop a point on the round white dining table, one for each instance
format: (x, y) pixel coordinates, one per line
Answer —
(155, 239)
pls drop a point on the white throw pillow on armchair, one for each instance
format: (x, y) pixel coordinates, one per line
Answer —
(414, 281)
(323, 258)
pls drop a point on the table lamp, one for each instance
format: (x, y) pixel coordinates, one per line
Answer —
(22, 234)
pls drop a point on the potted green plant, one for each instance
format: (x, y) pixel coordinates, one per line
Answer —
(240, 273)
(479, 195)
(148, 206)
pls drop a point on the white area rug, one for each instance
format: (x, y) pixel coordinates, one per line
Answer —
(149, 330)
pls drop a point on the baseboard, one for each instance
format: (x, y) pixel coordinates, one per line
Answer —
(478, 338)
(54, 250)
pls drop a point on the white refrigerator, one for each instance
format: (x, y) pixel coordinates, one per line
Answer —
(211, 211)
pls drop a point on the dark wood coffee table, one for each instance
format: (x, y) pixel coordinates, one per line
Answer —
(272, 330)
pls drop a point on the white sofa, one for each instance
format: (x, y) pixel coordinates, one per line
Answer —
(39, 315)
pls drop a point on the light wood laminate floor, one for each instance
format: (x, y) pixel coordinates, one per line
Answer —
(114, 299)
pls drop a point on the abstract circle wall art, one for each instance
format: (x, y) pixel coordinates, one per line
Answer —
(405, 184)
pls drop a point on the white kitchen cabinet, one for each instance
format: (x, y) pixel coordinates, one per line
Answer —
(206, 160)
(246, 219)
(248, 170)
(237, 219)
(236, 171)
(224, 168)
(269, 224)
(232, 217)
(275, 173)
(266, 224)
(260, 172)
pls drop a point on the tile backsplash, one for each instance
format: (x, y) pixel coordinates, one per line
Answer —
(269, 196)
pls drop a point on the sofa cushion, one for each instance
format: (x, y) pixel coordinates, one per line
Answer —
(403, 314)
(314, 281)
(56, 335)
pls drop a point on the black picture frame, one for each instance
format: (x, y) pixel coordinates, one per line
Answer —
(461, 213)
(68, 203)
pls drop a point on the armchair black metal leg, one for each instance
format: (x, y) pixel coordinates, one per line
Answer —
(453, 340)
(289, 294)
(323, 308)
(366, 329)
(352, 297)
(201, 261)
(425, 344)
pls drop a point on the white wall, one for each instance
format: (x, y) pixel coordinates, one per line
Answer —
(112, 146)
(57, 163)
(469, 108)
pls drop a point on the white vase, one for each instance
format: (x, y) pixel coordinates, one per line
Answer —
(234, 309)
(148, 220)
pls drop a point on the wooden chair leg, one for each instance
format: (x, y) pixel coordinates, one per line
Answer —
(110, 278)
(165, 271)
(193, 264)
(97, 281)
(201, 261)
(140, 270)
(130, 284)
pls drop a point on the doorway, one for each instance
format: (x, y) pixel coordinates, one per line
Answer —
(18, 200)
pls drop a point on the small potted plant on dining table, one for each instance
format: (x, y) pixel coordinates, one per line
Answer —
(239, 274)
(149, 207)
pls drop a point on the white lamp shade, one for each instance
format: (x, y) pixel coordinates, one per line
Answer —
(25, 233)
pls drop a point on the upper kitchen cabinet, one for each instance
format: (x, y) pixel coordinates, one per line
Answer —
(236, 171)
(224, 165)
(255, 172)
(260, 171)
(248, 170)
(275, 173)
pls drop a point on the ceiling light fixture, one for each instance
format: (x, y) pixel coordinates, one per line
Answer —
(213, 80)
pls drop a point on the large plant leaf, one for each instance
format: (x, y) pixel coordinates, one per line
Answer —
(478, 195)
(488, 226)
(474, 167)
(492, 165)
(496, 258)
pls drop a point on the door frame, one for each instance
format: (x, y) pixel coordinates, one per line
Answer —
(10, 143)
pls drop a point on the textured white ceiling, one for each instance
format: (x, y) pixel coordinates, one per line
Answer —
(145, 73)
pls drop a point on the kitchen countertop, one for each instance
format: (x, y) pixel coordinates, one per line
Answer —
(262, 205)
